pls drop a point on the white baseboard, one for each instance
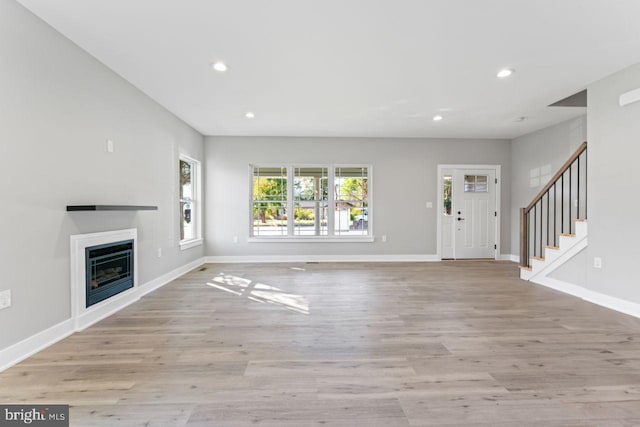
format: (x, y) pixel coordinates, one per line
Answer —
(168, 277)
(613, 303)
(509, 257)
(105, 309)
(18, 352)
(319, 258)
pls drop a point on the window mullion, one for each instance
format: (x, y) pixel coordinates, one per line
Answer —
(290, 202)
(331, 215)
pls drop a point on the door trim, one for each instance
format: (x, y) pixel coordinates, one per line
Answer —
(440, 201)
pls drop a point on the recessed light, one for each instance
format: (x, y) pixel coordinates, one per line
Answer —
(437, 118)
(521, 119)
(504, 73)
(249, 115)
(219, 66)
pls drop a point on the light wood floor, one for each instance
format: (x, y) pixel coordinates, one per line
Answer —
(451, 343)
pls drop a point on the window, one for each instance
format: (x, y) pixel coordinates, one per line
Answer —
(270, 201)
(475, 184)
(446, 195)
(321, 202)
(311, 195)
(351, 205)
(189, 175)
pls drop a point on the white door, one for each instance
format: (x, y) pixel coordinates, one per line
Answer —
(474, 213)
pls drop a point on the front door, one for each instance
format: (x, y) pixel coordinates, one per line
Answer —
(474, 213)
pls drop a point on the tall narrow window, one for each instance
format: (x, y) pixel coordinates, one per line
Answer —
(189, 202)
(446, 195)
(270, 201)
(310, 195)
(351, 209)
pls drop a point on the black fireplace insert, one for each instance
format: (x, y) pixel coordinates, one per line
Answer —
(109, 270)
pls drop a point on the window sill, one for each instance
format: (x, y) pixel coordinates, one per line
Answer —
(187, 244)
(309, 239)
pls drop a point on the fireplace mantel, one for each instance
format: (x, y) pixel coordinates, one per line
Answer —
(78, 208)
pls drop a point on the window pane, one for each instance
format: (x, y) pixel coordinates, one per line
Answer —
(269, 219)
(481, 184)
(351, 214)
(446, 208)
(185, 180)
(310, 201)
(469, 183)
(269, 201)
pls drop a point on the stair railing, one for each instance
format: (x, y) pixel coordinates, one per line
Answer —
(556, 207)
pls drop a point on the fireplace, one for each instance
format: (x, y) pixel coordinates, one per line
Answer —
(104, 274)
(109, 270)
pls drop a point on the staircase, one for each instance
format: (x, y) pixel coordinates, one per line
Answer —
(553, 227)
(569, 245)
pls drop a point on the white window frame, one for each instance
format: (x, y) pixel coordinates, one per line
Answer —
(196, 202)
(331, 237)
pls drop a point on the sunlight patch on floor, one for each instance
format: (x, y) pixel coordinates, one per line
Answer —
(260, 292)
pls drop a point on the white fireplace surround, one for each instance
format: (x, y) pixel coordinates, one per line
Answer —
(82, 316)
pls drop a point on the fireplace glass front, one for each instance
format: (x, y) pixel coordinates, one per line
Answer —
(109, 270)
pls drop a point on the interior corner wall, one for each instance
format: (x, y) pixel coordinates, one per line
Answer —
(58, 106)
(614, 150)
(535, 158)
(404, 180)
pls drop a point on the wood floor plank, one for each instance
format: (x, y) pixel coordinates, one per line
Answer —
(462, 343)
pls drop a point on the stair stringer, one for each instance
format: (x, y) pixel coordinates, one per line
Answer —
(569, 246)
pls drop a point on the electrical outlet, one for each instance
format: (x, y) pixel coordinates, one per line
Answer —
(109, 146)
(384, 238)
(597, 262)
(429, 205)
(235, 239)
(159, 252)
(5, 299)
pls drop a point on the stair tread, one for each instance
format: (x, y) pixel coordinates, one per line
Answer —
(579, 220)
(555, 248)
(525, 267)
(539, 258)
(568, 234)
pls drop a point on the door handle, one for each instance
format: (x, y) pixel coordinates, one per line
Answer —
(460, 219)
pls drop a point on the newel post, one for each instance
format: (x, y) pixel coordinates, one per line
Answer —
(524, 238)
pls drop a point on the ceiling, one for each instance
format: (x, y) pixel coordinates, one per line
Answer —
(366, 68)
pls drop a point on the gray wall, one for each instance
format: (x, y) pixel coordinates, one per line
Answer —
(614, 150)
(573, 271)
(547, 148)
(58, 106)
(404, 179)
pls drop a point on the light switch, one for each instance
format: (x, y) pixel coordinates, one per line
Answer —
(109, 146)
(429, 205)
(5, 299)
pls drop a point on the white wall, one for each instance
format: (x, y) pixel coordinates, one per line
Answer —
(614, 150)
(58, 106)
(547, 148)
(404, 179)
